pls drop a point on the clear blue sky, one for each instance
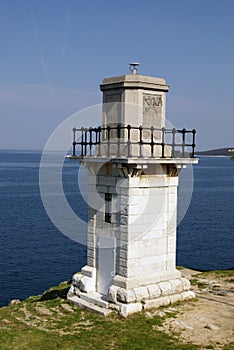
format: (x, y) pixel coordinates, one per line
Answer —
(55, 53)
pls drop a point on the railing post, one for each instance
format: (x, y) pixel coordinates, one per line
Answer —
(90, 140)
(152, 141)
(193, 144)
(183, 141)
(163, 142)
(82, 142)
(74, 142)
(141, 140)
(85, 142)
(99, 130)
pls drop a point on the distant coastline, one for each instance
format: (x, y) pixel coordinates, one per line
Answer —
(221, 152)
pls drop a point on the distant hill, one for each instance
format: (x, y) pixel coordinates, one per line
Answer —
(229, 151)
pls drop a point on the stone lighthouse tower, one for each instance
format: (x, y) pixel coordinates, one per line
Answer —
(133, 162)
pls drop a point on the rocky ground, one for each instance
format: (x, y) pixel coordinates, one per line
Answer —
(207, 321)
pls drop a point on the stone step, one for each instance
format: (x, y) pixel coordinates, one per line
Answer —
(89, 306)
(94, 298)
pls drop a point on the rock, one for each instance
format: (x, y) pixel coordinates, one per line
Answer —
(212, 327)
(43, 311)
(181, 324)
(15, 302)
(67, 307)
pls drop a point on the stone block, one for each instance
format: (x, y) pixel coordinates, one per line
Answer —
(123, 271)
(155, 303)
(120, 281)
(154, 291)
(141, 293)
(177, 285)
(169, 275)
(127, 309)
(124, 219)
(126, 295)
(187, 295)
(123, 254)
(123, 262)
(91, 261)
(87, 284)
(186, 283)
(89, 271)
(166, 288)
(112, 293)
(76, 279)
(175, 297)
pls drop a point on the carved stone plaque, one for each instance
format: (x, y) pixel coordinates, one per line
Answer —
(152, 114)
(152, 110)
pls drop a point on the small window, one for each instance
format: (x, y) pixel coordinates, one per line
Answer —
(108, 198)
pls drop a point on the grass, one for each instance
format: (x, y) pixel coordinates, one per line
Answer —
(218, 273)
(49, 322)
(200, 284)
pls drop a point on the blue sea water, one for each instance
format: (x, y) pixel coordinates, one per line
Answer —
(35, 255)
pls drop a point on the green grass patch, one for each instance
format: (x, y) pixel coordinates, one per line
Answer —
(197, 282)
(219, 273)
(51, 323)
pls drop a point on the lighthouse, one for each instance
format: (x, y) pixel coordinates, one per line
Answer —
(133, 161)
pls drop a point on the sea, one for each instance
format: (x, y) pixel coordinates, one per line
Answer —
(35, 254)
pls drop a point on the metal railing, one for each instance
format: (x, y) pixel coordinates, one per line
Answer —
(130, 141)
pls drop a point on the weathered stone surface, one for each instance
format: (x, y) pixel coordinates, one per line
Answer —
(76, 279)
(187, 295)
(15, 302)
(154, 303)
(112, 293)
(175, 297)
(141, 293)
(177, 285)
(166, 288)
(89, 306)
(186, 283)
(127, 309)
(43, 311)
(87, 284)
(67, 307)
(125, 295)
(154, 291)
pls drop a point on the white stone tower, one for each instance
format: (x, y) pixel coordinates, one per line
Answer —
(133, 165)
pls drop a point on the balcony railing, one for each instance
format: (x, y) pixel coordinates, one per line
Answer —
(130, 141)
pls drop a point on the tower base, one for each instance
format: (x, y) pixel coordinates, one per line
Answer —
(128, 301)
